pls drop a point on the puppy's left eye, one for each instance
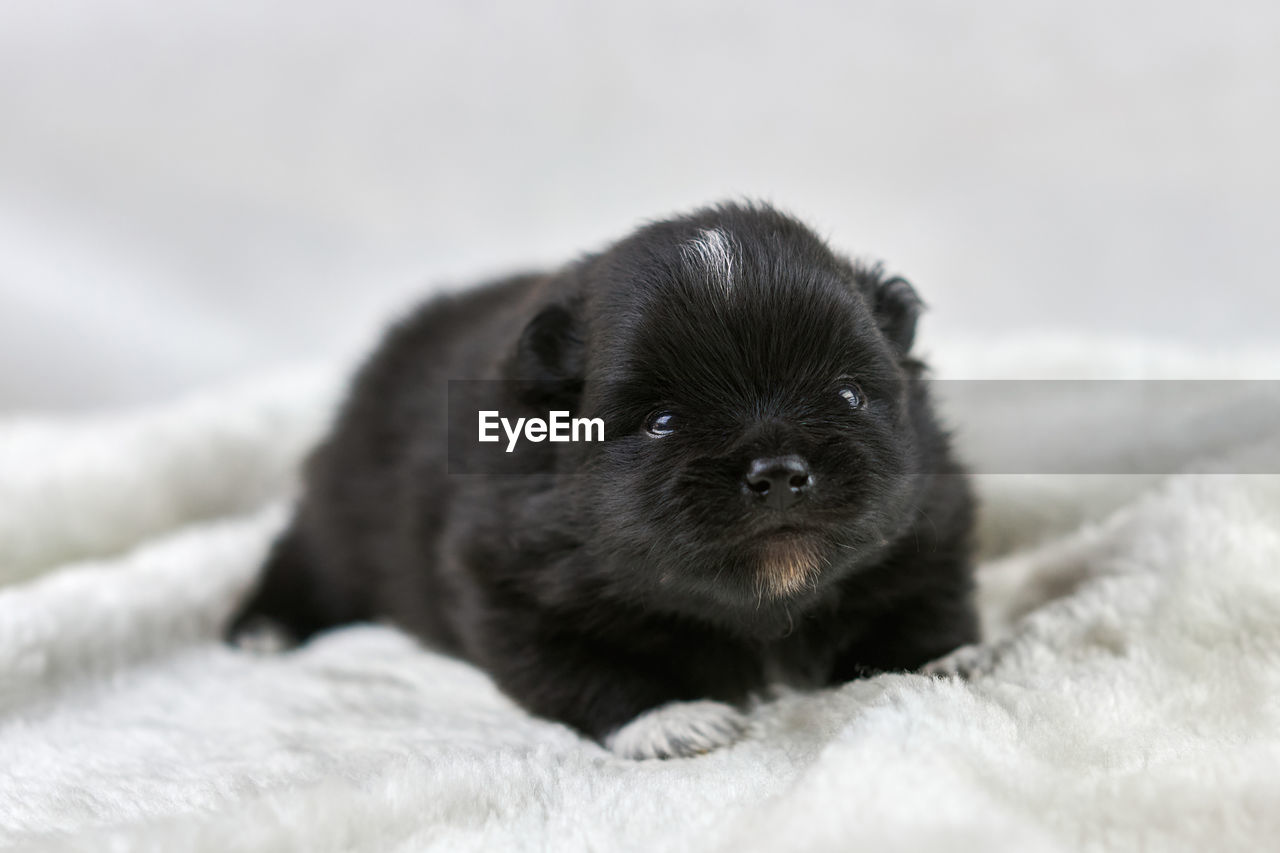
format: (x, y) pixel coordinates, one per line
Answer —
(853, 395)
(660, 423)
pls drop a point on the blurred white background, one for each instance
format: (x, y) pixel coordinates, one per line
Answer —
(200, 190)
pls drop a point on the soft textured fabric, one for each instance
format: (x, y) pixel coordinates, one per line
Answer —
(1128, 692)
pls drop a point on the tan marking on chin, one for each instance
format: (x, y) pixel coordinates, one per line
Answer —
(787, 565)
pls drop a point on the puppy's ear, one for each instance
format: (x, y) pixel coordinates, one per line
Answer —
(551, 355)
(897, 307)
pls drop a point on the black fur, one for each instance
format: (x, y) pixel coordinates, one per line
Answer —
(620, 576)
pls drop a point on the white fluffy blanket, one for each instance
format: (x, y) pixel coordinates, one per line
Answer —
(1129, 695)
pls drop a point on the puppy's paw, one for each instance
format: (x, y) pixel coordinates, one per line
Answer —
(262, 636)
(678, 730)
(964, 663)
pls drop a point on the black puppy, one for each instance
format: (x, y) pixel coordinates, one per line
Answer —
(773, 500)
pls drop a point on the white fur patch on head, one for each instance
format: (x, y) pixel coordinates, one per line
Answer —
(714, 252)
(678, 730)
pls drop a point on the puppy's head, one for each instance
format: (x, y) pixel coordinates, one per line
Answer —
(759, 405)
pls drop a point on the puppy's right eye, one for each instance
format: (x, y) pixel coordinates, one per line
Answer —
(660, 423)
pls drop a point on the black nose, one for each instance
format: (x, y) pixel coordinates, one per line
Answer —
(779, 480)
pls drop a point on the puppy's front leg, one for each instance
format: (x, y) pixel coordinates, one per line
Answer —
(622, 702)
(907, 638)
